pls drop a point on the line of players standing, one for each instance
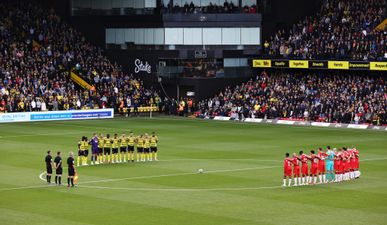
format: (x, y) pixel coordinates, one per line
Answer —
(117, 149)
(104, 150)
(329, 166)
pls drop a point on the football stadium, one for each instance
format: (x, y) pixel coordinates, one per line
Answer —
(221, 112)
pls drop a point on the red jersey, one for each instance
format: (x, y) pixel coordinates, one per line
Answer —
(314, 159)
(287, 167)
(304, 159)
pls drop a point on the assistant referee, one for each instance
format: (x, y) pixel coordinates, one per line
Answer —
(71, 170)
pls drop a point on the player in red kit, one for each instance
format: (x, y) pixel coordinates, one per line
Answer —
(337, 166)
(321, 165)
(313, 167)
(296, 169)
(356, 166)
(287, 170)
(304, 168)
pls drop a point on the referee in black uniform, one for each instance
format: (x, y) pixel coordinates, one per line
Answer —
(58, 169)
(71, 170)
(48, 161)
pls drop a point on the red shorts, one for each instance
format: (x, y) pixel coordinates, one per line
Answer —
(288, 172)
(357, 164)
(313, 169)
(352, 165)
(321, 167)
(304, 169)
(296, 171)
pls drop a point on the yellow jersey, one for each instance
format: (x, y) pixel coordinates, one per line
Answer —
(100, 142)
(153, 141)
(146, 143)
(124, 141)
(140, 142)
(115, 142)
(106, 142)
(131, 140)
(83, 145)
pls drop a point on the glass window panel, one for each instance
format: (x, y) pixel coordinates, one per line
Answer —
(120, 36)
(193, 36)
(129, 35)
(110, 36)
(158, 36)
(212, 36)
(250, 36)
(174, 36)
(139, 36)
(148, 39)
(231, 36)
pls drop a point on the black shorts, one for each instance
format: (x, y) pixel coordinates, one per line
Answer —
(123, 149)
(140, 149)
(146, 150)
(130, 148)
(100, 150)
(153, 149)
(71, 171)
(49, 169)
(86, 153)
(115, 150)
(106, 151)
(59, 171)
(80, 153)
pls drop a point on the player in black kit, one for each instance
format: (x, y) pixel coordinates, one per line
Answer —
(58, 169)
(71, 170)
(48, 161)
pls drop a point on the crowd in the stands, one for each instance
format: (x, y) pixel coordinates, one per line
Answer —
(212, 7)
(37, 51)
(324, 97)
(343, 29)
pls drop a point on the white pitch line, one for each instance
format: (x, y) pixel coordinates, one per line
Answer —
(175, 174)
(180, 189)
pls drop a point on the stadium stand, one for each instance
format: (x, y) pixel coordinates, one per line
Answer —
(321, 96)
(343, 29)
(37, 52)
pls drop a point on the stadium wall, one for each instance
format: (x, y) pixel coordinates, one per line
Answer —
(303, 123)
(57, 115)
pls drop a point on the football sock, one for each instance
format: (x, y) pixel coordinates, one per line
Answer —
(72, 181)
(104, 158)
(284, 180)
(295, 181)
(56, 179)
(78, 160)
(137, 157)
(108, 158)
(303, 180)
(299, 180)
(155, 155)
(324, 178)
(315, 179)
(289, 181)
(117, 157)
(68, 182)
(320, 178)
(60, 180)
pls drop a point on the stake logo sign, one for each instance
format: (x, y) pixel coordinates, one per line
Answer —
(141, 67)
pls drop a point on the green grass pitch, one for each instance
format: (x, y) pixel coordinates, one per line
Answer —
(243, 172)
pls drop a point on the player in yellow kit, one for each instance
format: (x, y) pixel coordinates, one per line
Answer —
(100, 149)
(153, 146)
(140, 148)
(106, 148)
(123, 147)
(131, 141)
(115, 148)
(146, 147)
(83, 151)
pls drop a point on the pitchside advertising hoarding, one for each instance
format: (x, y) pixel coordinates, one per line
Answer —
(319, 64)
(57, 115)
